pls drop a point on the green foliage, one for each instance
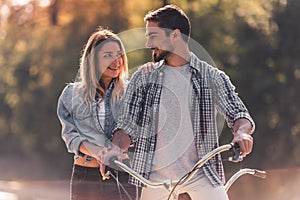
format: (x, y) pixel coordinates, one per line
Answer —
(36, 62)
(255, 42)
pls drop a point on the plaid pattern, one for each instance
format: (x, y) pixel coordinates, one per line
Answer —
(212, 93)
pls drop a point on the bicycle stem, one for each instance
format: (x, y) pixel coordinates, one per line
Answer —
(203, 160)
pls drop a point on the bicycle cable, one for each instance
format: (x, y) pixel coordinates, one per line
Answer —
(179, 181)
(120, 186)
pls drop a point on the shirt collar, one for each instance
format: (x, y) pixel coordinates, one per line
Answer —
(194, 63)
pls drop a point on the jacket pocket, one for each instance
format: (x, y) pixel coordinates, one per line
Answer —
(82, 112)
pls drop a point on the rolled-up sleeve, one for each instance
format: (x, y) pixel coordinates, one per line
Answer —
(228, 100)
(130, 108)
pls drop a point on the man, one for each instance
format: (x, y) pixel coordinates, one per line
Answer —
(170, 112)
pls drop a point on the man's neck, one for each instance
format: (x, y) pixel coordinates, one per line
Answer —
(178, 59)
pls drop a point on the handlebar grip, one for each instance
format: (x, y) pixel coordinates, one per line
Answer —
(126, 162)
(260, 174)
(114, 166)
(237, 157)
(235, 145)
(112, 159)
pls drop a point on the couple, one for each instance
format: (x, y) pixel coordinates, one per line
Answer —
(168, 113)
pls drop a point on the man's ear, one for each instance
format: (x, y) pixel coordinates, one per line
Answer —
(175, 33)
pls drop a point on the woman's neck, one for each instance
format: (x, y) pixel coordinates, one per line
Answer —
(105, 83)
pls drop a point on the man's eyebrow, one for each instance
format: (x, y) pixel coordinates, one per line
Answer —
(151, 33)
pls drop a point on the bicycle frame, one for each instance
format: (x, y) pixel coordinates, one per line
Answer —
(170, 184)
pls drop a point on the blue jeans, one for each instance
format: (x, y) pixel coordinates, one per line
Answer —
(87, 184)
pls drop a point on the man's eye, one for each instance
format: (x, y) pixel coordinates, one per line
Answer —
(149, 37)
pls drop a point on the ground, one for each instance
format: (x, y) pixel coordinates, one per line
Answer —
(279, 184)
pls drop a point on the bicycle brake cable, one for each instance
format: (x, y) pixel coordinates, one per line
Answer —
(120, 186)
(179, 181)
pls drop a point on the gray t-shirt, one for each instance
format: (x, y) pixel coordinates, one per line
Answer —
(175, 152)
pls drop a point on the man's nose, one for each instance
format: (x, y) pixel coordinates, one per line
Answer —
(148, 44)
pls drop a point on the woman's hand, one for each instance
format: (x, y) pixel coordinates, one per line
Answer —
(105, 157)
(96, 152)
(113, 151)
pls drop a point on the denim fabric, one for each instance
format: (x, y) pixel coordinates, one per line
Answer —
(86, 184)
(80, 122)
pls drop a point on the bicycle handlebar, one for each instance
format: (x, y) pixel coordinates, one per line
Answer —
(169, 183)
(260, 173)
(255, 172)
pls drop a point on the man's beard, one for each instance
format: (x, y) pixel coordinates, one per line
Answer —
(161, 56)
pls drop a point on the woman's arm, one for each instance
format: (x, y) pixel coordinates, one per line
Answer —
(69, 132)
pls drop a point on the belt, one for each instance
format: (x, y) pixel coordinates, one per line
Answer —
(82, 162)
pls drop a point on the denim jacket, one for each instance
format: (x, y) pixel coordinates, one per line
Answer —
(81, 123)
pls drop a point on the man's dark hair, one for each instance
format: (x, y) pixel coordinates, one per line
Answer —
(171, 17)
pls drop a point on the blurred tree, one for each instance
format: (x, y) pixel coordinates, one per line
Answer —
(53, 12)
(36, 61)
(280, 97)
(255, 42)
(165, 2)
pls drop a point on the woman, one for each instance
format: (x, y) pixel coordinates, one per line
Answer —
(87, 110)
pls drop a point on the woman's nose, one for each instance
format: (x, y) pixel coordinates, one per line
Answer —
(118, 60)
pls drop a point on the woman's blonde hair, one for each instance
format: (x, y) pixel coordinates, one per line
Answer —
(89, 72)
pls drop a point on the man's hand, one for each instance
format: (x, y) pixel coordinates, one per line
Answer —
(245, 142)
(242, 131)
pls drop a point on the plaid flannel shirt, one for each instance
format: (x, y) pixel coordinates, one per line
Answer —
(212, 93)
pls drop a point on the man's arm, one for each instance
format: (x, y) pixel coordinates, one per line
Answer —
(127, 118)
(235, 112)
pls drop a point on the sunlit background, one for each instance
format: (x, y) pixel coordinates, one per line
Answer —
(256, 42)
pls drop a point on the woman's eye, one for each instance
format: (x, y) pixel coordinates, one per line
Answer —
(107, 55)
